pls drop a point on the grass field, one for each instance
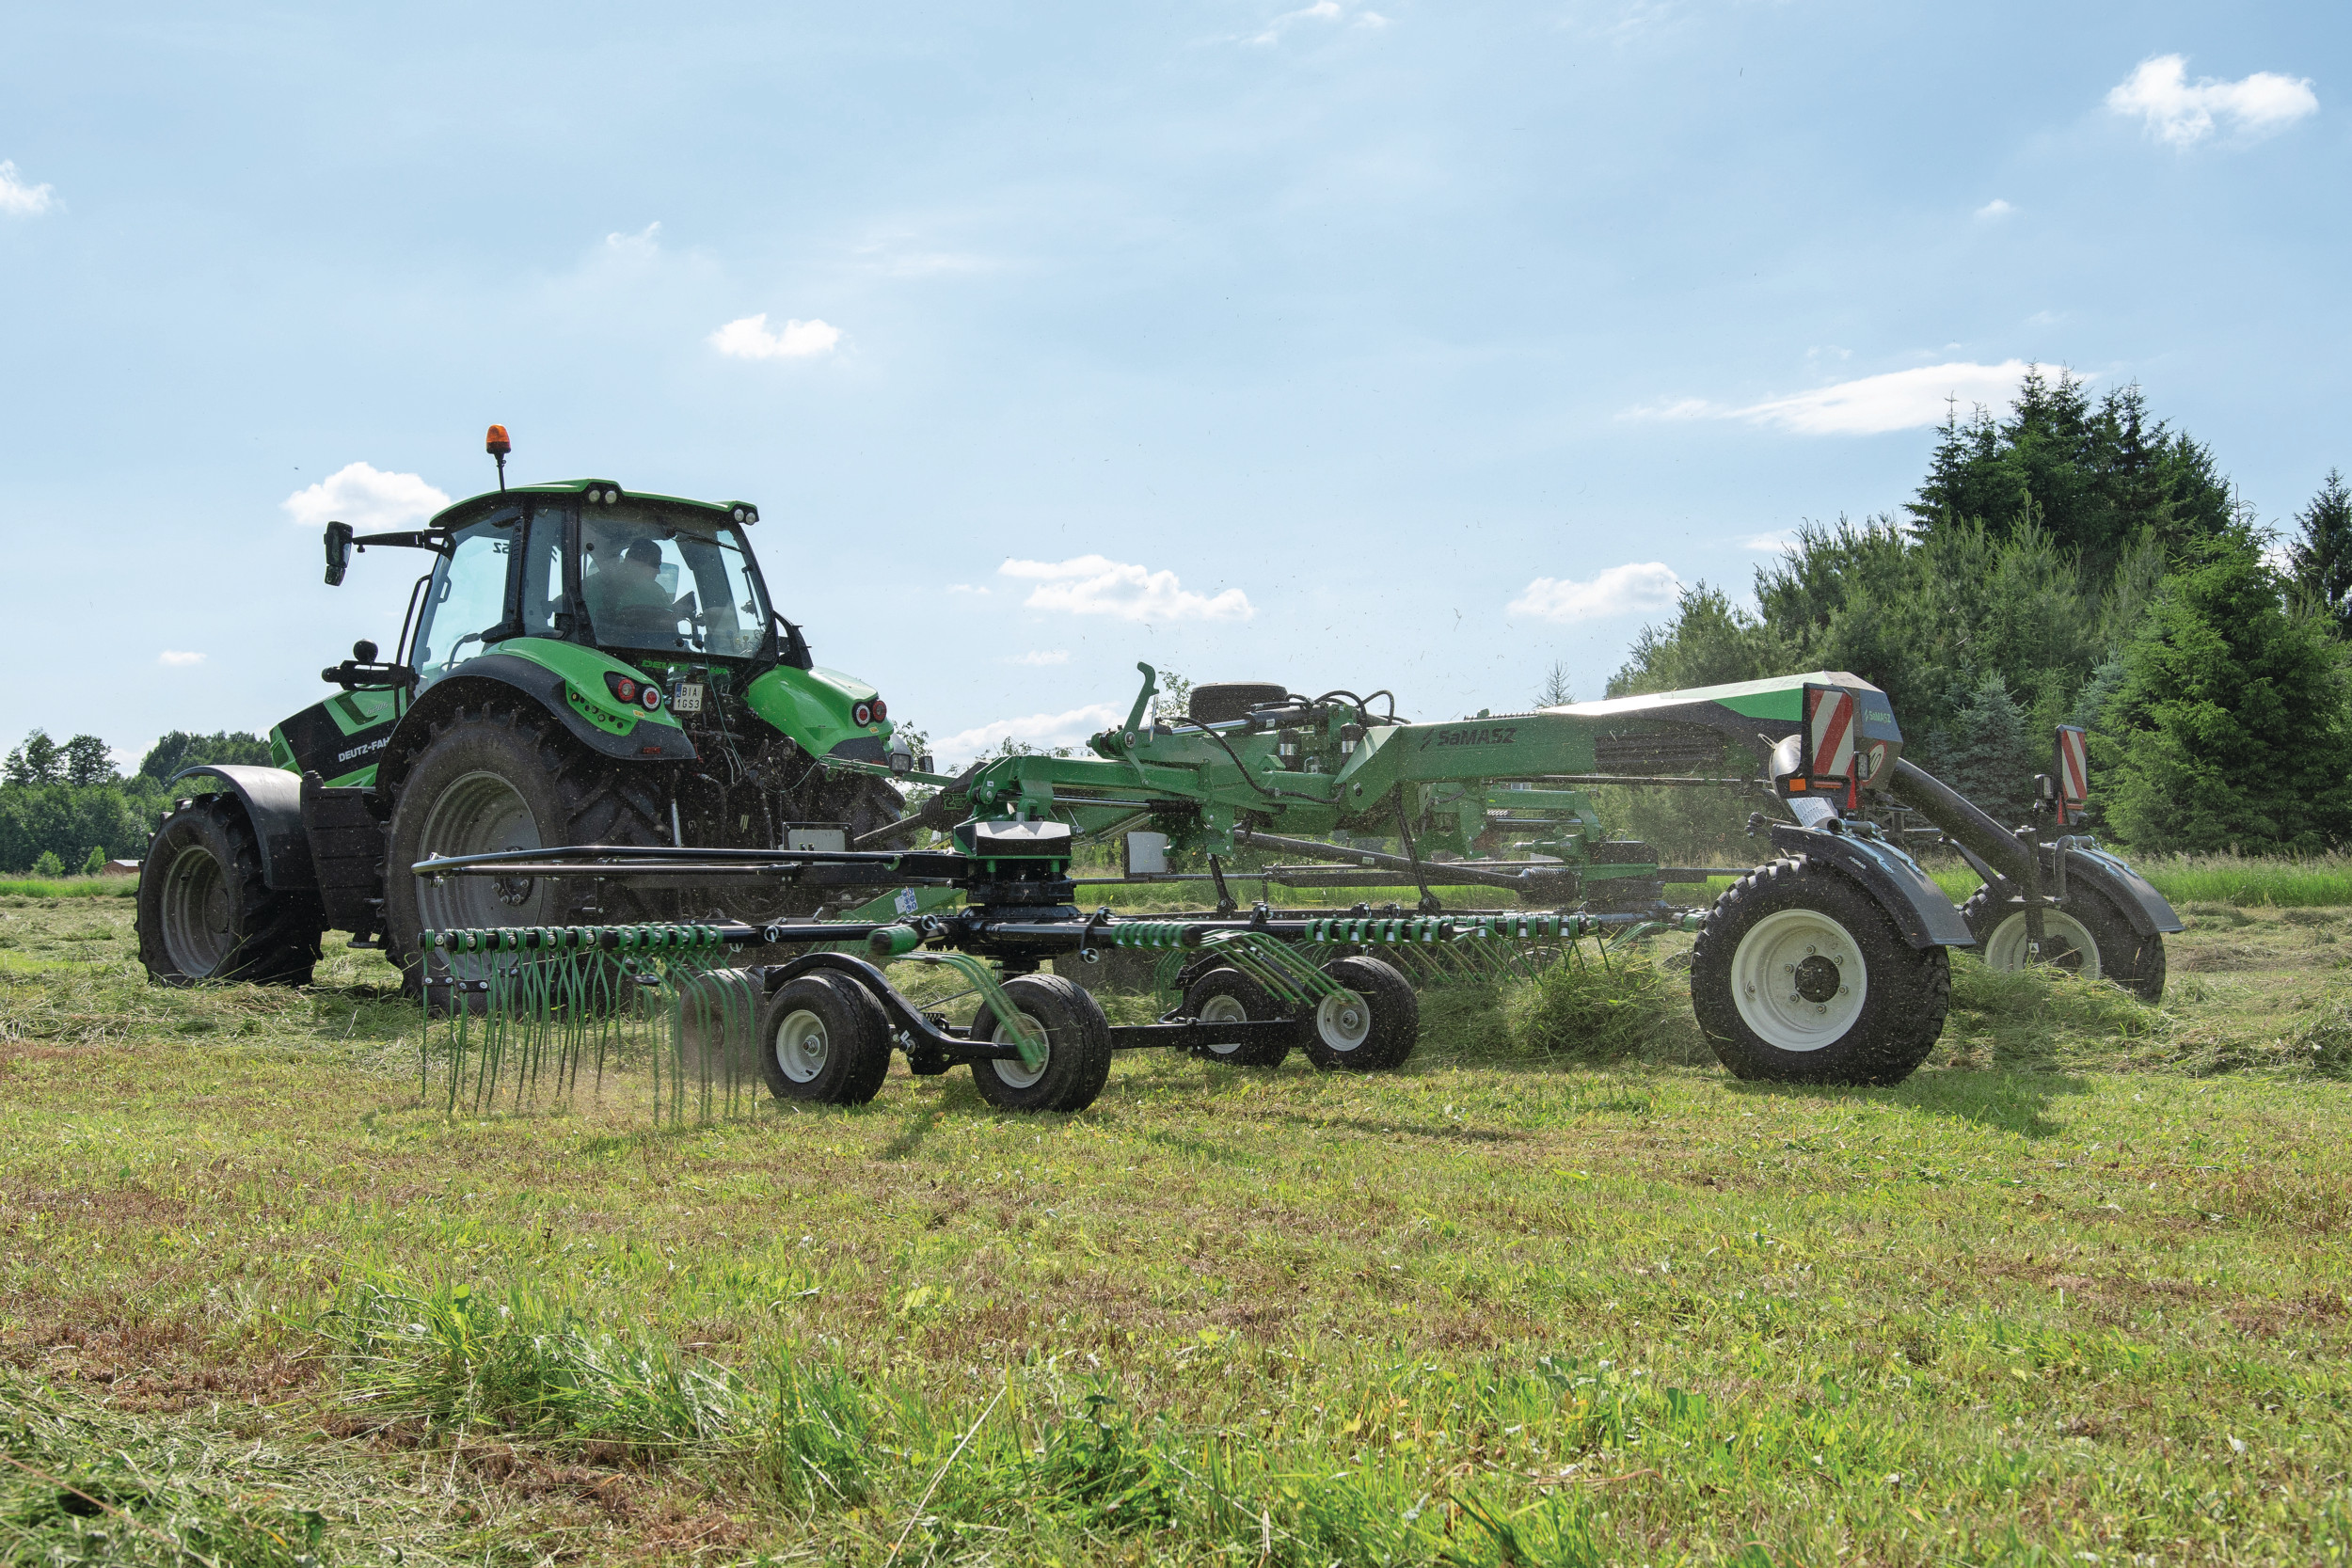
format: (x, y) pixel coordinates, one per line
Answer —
(2079, 1292)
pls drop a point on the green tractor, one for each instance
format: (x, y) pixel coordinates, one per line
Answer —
(578, 665)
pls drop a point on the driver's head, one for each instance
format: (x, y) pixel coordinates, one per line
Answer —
(645, 555)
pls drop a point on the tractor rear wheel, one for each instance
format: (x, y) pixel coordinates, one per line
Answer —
(1798, 977)
(1226, 995)
(510, 778)
(1077, 1048)
(204, 911)
(2086, 935)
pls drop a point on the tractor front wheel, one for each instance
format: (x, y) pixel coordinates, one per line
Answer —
(204, 911)
(1798, 977)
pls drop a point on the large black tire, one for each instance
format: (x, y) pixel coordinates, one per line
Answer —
(2090, 938)
(823, 1040)
(1227, 996)
(1078, 1048)
(1221, 702)
(1372, 1029)
(511, 778)
(204, 913)
(1862, 1005)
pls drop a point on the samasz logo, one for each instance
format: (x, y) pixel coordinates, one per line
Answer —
(1485, 734)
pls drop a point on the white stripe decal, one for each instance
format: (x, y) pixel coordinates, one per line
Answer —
(1833, 732)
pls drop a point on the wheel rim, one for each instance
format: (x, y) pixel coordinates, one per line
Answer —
(2066, 944)
(1012, 1071)
(801, 1046)
(1224, 1009)
(1798, 979)
(1343, 1021)
(197, 932)
(479, 813)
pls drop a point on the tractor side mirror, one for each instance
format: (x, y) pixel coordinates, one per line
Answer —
(338, 553)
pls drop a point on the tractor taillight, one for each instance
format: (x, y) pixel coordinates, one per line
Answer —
(632, 692)
(862, 713)
(651, 697)
(626, 689)
(882, 710)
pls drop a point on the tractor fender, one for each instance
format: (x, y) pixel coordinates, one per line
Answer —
(2145, 907)
(493, 675)
(272, 798)
(1919, 909)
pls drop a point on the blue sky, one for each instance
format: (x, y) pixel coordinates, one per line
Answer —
(1351, 346)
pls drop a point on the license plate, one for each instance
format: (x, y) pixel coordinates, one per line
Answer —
(689, 699)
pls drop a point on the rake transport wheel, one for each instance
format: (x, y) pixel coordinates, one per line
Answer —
(1077, 1048)
(823, 1040)
(2086, 935)
(1800, 977)
(204, 913)
(507, 778)
(1370, 1029)
(1226, 995)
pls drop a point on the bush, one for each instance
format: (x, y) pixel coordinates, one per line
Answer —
(48, 864)
(97, 861)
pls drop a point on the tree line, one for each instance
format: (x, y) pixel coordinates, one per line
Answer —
(2075, 560)
(64, 807)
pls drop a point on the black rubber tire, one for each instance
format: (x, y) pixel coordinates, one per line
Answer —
(207, 851)
(1221, 702)
(1906, 993)
(852, 1040)
(572, 796)
(2133, 961)
(718, 1024)
(1078, 1048)
(1229, 991)
(1378, 1043)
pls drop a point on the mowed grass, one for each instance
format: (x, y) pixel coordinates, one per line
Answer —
(2079, 1289)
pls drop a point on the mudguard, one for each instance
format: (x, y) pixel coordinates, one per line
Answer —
(2128, 889)
(1920, 911)
(644, 741)
(273, 803)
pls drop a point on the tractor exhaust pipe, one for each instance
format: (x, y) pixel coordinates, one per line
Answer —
(1960, 818)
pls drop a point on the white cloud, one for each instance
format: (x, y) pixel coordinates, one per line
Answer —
(1096, 585)
(19, 199)
(178, 659)
(1321, 10)
(646, 242)
(1899, 399)
(748, 339)
(366, 498)
(1041, 729)
(965, 588)
(1768, 543)
(2174, 111)
(1997, 208)
(1619, 591)
(1039, 658)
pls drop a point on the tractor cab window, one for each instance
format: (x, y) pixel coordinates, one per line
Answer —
(667, 584)
(466, 603)
(543, 574)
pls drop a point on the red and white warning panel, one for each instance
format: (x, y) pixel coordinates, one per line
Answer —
(2073, 770)
(1829, 732)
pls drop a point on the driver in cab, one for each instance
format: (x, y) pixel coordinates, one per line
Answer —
(627, 595)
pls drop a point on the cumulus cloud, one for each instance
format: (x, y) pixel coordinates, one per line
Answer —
(1039, 658)
(748, 339)
(1043, 731)
(1899, 399)
(2175, 110)
(366, 498)
(1619, 591)
(178, 659)
(1997, 208)
(1097, 585)
(19, 199)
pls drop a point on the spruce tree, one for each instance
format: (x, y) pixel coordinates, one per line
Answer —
(2230, 730)
(1987, 753)
(2322, 556)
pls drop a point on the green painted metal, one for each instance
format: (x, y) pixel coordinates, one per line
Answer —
(1274, 964)
(813, 707)
(1010, 1029)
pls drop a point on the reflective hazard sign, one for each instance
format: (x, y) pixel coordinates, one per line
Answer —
(2073, 770)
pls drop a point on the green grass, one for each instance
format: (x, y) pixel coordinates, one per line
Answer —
(2081, 1286)
(71, 887)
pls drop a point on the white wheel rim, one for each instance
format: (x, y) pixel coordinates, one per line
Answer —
(1012, 1071)
(1224, 1009)
(1799, 980)
(802, 1046)
(2005, 949)
(1343, 1021)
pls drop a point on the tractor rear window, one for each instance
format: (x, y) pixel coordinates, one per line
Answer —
(657, 583)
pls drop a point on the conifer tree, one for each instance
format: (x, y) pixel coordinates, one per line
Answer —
(2322, 555)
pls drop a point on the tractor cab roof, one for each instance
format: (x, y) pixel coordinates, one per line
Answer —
(459, 514)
